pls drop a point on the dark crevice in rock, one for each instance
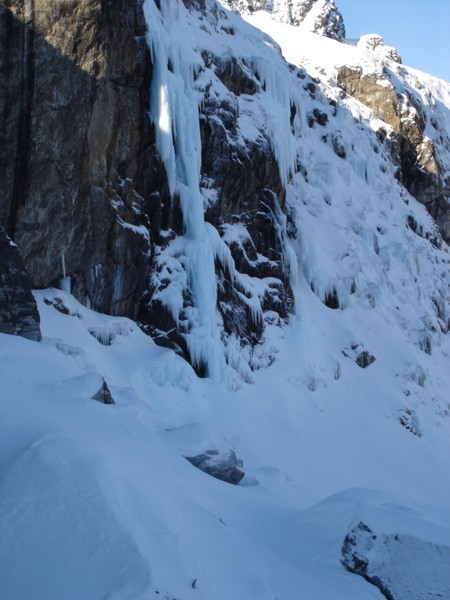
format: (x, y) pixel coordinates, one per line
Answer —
(25, 37)
(331, 300)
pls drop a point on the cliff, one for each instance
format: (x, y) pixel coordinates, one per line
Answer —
(161, 178)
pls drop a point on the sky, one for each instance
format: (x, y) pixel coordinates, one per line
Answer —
(420, 30)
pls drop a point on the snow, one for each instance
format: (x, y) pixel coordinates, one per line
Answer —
(143, 520)
(98, 502)
(175, 112)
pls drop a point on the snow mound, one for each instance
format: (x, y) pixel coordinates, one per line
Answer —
(62, 525)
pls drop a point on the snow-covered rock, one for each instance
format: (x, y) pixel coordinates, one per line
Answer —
(402, 558)
(317, 16)
(375, 43)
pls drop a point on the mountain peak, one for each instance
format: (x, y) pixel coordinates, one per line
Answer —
(318, 16)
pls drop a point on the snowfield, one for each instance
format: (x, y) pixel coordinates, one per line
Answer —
(349, 425)
(97, 501)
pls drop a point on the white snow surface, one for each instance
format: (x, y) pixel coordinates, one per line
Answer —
(97, 501)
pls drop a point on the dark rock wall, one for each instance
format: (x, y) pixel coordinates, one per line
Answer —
(250, 192)
(18, 310)
(74, 81)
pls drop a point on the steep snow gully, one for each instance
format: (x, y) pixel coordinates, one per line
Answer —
(333, 421)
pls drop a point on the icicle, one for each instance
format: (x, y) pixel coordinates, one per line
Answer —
(65, 282)
(174, 111)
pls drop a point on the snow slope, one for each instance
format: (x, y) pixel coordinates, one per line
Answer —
(98, 502)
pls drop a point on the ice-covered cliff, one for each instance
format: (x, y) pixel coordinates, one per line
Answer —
(193, 221)
(270, 203)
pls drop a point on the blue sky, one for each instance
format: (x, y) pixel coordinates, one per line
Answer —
(419, 29)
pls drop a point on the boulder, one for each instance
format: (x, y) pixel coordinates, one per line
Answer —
(103, 395)
(207, 451)
(226, 467)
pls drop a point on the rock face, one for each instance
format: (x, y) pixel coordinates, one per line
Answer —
(18, 310)
(226, 468)
(74, 80)
(103, 395)
(402, 567)
(84, 194)
(97, 185)
(414, 152)
(243, 209)
(319, 16)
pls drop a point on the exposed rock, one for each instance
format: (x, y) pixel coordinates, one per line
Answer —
(18, 310)
(331, 300)
(402, 567)
(80, 71)
(374, 91)
(317, 116)
(224, 467)
(250, 193)
(59, 305)
(90, 201)
(320, 16)
(365, 359)
(104, 395)
(410, 421)
(362, 357)
(419, 166)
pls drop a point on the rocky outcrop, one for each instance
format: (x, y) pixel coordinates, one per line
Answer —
(362, 357)
(401, 566)
(412, 150)
(374, 43)
(103, 395)
(318, 16)
(224, 467)
(18, 309)
(77, 148)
